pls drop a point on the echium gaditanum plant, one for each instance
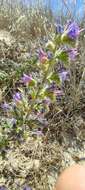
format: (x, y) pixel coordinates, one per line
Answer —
(32, 99)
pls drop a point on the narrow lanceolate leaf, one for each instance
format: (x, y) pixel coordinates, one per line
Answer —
(57, 39)
(61, 55)
(54, 77)
(50, 94)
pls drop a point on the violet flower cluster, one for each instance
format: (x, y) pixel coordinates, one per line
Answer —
(72, 52)
(26, 79)
(5, 106)
(72, 30)
(64, 75)
(3, 188)
(17, 97)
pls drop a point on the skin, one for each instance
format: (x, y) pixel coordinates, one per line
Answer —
(73, 178)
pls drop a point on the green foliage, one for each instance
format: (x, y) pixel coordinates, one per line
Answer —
(66, 40)
(34, 84)
(62, 55)
(54, 77)
(35, 90)
(3, 75)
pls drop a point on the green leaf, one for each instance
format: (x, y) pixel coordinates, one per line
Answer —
(55, 77)
(66, 40)
(7, 125)
(51, 95)
(3, 75)
(57, 39)
(62, 55)
(33, 93)
(3, 140)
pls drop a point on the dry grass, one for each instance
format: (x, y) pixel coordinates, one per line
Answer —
(25, 23)
(36, 162)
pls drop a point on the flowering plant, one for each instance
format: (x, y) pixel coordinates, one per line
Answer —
(31, 100)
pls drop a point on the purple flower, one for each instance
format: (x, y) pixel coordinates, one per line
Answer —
(17, 97)
(72, 30)
(64, 75)
(52, 87)
(59, 93)
(42, 56)
(47, 101)
(27, 188)
(72, 53)
(2, 188)
(26, 78)
(5, 106)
